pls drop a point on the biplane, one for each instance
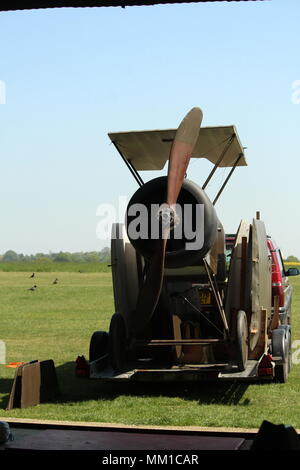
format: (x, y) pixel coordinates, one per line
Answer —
(183, 310)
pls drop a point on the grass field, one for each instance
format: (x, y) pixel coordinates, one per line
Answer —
(56, 322)
(48, 267)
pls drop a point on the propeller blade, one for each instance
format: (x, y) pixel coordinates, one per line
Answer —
(151, 289)
(180, 154)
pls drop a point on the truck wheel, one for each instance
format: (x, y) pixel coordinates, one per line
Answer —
(242, 340)
(98, 345)
(281, 347)
(117, 341)
(281, 372)
(289, 351)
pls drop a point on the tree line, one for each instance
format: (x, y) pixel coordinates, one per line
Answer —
(102, 256)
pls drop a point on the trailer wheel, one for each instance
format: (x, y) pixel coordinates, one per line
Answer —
(281, 344)
(282, 372)
(98, 345)
(289, 351)
(242, 340)
(117, 341)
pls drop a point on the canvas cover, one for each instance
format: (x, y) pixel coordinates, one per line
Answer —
(149, 150)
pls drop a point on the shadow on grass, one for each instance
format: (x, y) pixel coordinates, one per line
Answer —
(74, 389)
(5, 388)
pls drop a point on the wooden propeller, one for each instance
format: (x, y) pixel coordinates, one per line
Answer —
(180, 154)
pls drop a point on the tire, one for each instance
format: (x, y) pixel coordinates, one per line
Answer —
(281, 342)
(282, 372)
(117, 342)
(98, 345)
(242, 340)
(289, 351)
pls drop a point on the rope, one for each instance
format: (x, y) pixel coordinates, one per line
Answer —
(199, 311)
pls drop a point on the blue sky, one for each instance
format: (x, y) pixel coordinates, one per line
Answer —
(73, 75)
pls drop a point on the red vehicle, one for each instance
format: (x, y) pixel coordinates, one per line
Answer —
(280, 282)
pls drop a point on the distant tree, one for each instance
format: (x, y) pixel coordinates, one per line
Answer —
(77, 257)
(62, 257)
(10, 255)
(292, 259)
(102, 256)
(43, 259)
(105, 255)
(92, 257)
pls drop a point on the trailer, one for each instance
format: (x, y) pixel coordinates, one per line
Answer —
(184, 309)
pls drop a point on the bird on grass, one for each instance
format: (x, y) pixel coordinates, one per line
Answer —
(55, 281)
(32, 275)
(33, 288)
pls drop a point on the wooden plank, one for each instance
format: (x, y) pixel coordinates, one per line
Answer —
(31, 385)
(177, 337)
(261, 346)
(15, 394)
(48, 423)
(275, 318)
(179, 342)
(58, 439)
(243, 272)
(34, 382)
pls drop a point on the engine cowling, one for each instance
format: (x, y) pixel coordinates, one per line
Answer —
(192, 237)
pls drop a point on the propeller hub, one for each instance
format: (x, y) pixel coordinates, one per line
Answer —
(168, 217)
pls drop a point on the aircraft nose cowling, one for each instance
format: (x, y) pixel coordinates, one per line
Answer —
(195, 222)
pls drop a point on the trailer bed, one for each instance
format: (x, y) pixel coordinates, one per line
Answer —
(191, 372)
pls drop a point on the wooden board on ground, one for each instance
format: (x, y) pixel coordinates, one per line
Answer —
(34, 382)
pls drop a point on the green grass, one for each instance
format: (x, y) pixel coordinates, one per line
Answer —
(57, 321)
(48, 267)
